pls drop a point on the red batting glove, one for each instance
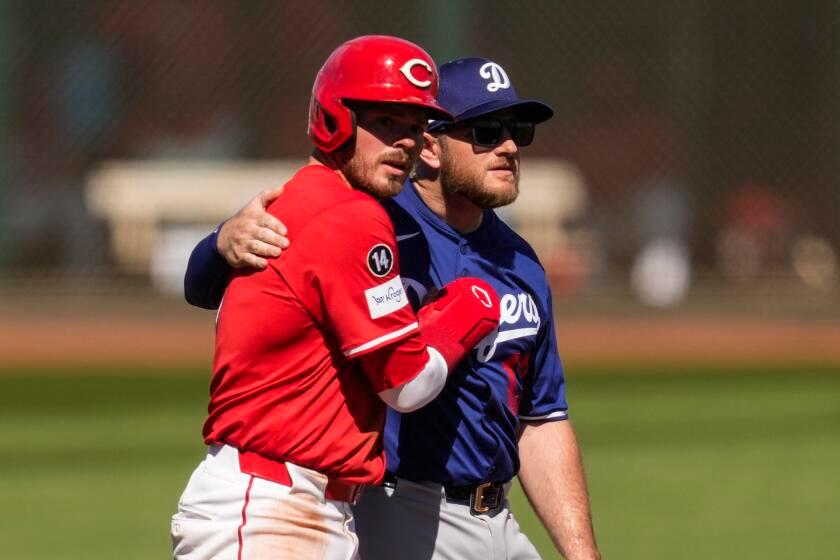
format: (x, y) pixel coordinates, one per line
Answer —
(465, 311)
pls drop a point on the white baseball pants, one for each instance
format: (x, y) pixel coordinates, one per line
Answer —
(225, 514)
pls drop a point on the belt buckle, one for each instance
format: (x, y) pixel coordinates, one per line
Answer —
(477, 498)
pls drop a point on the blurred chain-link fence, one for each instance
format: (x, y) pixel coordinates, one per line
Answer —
(694, 143)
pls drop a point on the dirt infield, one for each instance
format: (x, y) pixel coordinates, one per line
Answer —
(166, 335)
(113, 341)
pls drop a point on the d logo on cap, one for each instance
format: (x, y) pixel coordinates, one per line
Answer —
(493, 71)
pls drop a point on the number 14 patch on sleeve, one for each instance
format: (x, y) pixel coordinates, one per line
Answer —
(380, 260)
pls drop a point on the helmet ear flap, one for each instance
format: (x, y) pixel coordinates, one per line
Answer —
(331, 123)
(327, 120)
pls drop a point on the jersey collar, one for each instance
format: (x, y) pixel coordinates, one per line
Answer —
(411, 197)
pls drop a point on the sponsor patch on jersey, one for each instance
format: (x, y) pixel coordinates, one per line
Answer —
(386, 298)
(380, 260)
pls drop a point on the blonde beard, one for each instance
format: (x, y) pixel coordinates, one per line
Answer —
(454, 181)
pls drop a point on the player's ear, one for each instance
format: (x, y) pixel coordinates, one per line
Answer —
(430, 155)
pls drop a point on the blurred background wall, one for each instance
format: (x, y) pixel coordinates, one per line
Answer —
(691, 164)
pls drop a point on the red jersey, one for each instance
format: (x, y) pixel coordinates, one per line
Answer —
(285, 382)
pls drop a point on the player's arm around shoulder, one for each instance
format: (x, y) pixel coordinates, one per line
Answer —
(252, 235)
(246, 239)
(553, 479)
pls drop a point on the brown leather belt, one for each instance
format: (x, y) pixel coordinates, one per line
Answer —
(276, 471)
(482, 497)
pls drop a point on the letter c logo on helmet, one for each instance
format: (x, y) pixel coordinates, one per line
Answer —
(408, 66)
(368, 69)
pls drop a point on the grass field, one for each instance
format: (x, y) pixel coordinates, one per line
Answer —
(729, 463)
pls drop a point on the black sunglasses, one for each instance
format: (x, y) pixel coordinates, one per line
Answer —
(489, 133)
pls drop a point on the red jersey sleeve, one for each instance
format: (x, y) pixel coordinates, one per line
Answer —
(344, 268)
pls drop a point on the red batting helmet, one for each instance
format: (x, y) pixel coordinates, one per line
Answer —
(373, 68)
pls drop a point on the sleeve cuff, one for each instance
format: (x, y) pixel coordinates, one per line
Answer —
(556, 415)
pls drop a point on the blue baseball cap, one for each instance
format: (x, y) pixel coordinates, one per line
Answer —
(474, 87)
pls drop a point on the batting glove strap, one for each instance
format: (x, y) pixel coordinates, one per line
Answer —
(465, 311)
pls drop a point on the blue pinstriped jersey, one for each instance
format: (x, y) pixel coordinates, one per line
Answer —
(468, 434)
